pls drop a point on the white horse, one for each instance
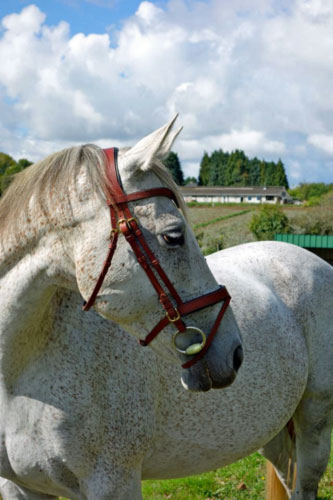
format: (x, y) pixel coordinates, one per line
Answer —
(98, 412)
(86, 412)
(54, 237)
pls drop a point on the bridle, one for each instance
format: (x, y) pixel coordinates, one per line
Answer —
(122, 221)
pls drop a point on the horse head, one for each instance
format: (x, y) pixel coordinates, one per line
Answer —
(56, 231)
(129, 293)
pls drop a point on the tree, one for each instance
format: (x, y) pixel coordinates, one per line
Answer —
(173, 164)
(254, 172)
(8, 168)
(280, 178)
(24, 163)
(267, 221)
(236, 169)
(311, 192)
(204, 170)
(6, 161)
(190, 180)
(8, 176)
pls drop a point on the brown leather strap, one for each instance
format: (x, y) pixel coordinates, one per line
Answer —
(209, 299)
(149, 193)
(107, 263)
(114, 187)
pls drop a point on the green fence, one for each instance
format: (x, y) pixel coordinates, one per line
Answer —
(306, 240)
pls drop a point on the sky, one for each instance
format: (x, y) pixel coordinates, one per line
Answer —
(256, 75)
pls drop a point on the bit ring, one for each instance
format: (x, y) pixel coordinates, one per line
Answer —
(193, 348)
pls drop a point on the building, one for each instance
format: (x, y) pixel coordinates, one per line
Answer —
(251, 194)
(321, 245)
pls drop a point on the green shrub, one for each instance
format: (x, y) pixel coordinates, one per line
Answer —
(317, 219)
(267, 221)
(209, 244)
(310, 192)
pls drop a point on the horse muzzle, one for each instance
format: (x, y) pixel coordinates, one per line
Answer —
(208, 374)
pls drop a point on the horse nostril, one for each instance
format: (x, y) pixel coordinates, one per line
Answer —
(238, 358)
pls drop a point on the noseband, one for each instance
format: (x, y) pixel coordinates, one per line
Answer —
(122, 221)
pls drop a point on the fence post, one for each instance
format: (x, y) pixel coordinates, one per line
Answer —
(274, 488)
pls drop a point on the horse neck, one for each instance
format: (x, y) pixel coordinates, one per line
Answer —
(28, 280)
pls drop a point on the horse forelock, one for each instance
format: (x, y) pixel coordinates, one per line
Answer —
(40, 186)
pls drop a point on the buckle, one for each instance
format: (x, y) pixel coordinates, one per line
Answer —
(173, 320)
(127, 222)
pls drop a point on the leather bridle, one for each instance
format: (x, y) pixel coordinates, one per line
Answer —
(122, 221)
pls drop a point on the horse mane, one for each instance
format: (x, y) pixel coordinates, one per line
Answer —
(50, 178)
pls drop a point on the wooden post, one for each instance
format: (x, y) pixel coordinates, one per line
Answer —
(274, 488)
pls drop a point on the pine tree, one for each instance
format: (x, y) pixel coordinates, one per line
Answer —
(203, 179)
(173, 164)
(236, 169)
(280, 177)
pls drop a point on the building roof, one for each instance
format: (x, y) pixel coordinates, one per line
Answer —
(234, 191)
(306, 240)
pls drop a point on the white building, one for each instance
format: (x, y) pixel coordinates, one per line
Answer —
(218, 194)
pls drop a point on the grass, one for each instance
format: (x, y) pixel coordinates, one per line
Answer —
(243, 480)
(231, 222)
(221, 218)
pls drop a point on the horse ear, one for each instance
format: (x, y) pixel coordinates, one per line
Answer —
(154, 146)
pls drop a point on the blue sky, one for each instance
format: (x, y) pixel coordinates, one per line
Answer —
(249, 74)
(85, 16)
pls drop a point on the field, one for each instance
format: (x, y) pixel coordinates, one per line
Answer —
(235, 220)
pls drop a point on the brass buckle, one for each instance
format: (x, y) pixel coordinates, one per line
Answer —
(127, 222)
(173, 320)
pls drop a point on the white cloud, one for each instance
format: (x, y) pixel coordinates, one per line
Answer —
(254, 75)
(322, 141)
(315, 10)
(252, 141)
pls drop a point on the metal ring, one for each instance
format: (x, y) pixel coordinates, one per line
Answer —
(193, 348)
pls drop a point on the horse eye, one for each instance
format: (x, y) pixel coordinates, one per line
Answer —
(173, 239)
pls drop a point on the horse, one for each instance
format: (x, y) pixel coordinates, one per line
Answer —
(63, 221)
(118, 409)
(87, 412)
